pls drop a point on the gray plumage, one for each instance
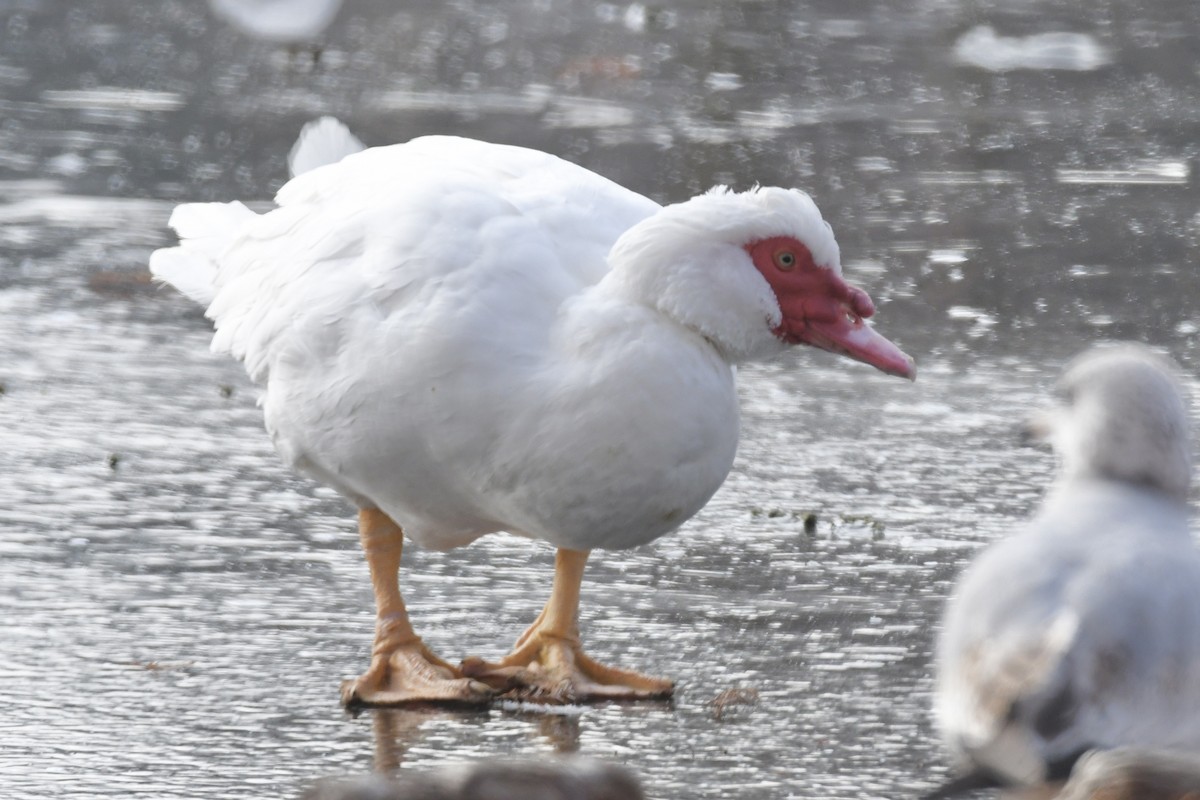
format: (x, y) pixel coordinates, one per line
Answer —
(1083, 629)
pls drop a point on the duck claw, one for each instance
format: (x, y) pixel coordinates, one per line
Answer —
(407, 676)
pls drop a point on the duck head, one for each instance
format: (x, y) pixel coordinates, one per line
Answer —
(753, 272)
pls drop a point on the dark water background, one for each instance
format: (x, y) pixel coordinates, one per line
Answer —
(176, 609)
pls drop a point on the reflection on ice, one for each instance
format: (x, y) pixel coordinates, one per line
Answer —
(67, 164)
(948, 257)
(981, 319)
(113, 98)
(1171, 173)
(579, 112)
(983, 177)
(723, 81)
(981, 47)
(534, 99)
(874, 164)
(68, 210)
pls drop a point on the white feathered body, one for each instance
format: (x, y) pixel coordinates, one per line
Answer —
(1081, 631)
(437, 334)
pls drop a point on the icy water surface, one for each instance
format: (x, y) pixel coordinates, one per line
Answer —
(176, 609)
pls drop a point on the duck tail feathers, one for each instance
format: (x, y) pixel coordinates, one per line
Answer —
(205, 231)
(323, 141)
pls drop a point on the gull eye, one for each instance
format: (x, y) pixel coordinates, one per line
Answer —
(785, 260)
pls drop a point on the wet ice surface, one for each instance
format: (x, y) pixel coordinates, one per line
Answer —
(176, 610)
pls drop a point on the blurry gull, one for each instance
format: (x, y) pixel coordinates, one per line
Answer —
(1134, 773)
(1061, 50)
(1083, 630)
(295, 23)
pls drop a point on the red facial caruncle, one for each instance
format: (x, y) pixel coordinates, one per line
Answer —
(821, 309)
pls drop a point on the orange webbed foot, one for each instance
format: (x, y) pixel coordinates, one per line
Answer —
(410, 674)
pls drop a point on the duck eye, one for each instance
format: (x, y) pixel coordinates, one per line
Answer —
(785, 259)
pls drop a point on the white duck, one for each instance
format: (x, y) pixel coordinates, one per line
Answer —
(1083, 631)
(465, 337)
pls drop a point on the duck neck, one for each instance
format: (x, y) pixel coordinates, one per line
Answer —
(637, 315)
(700, 287)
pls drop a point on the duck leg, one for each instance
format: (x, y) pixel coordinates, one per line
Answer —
(403, 670)
(548, 664)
